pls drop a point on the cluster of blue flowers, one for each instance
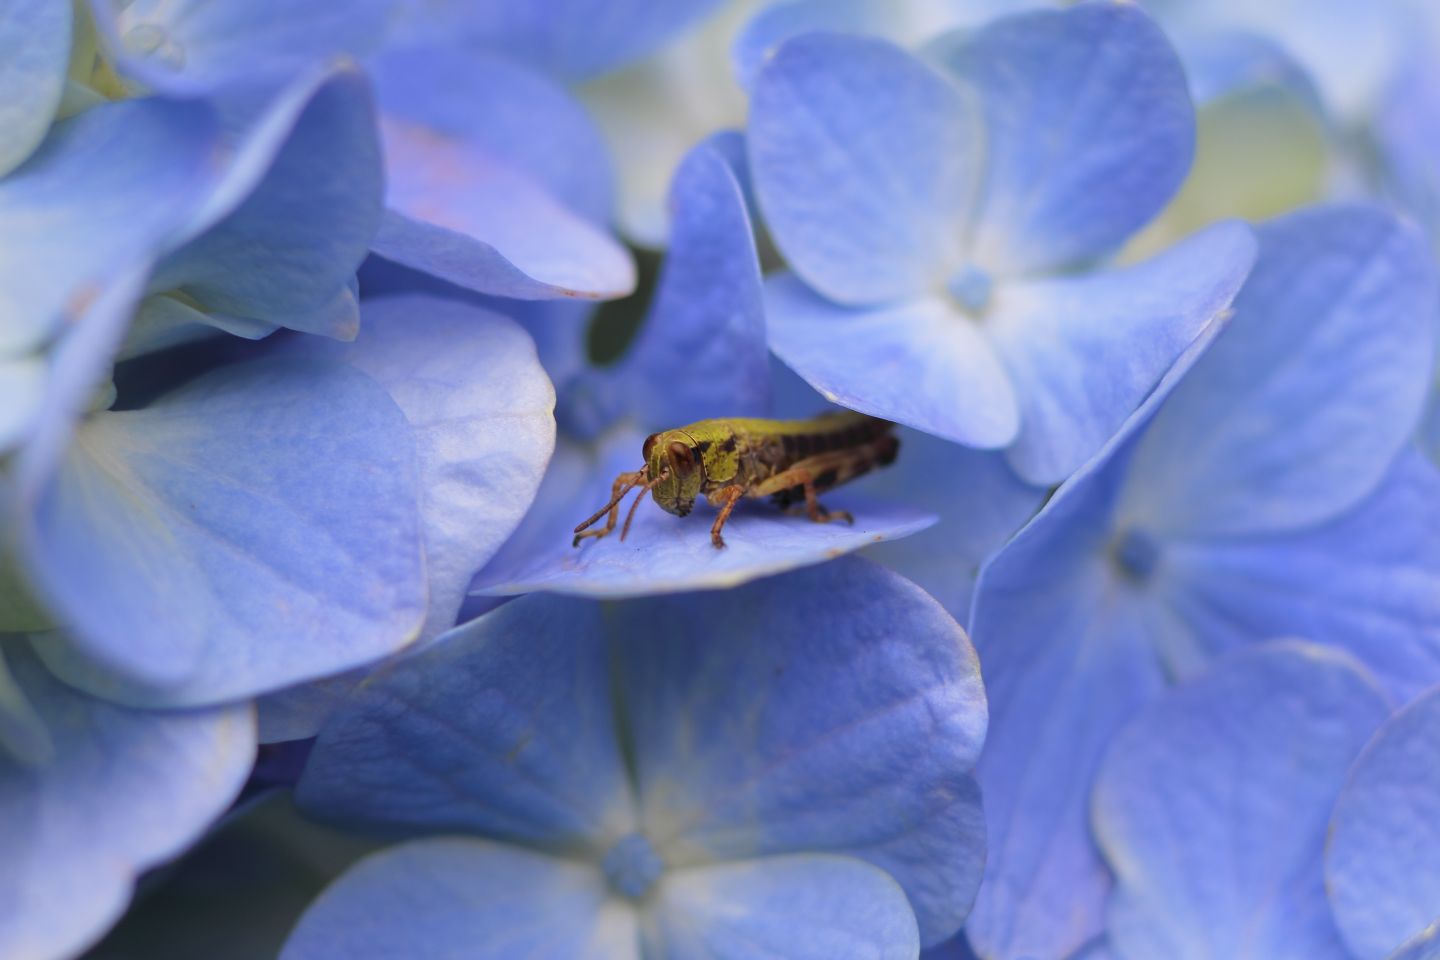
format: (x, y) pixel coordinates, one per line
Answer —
(1132, 654)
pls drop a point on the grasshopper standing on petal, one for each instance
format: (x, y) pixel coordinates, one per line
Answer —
(728, 459)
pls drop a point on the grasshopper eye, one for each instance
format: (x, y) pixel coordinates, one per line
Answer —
(681, 457)
(649, 445)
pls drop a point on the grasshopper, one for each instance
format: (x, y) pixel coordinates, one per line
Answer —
(786, 460)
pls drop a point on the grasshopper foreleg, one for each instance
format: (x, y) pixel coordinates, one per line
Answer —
(726, 498)
(623, 485)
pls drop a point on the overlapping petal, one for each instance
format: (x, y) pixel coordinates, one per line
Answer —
(458, 896)
(835, 709)
(1316, 386)
(120, 791)
(1384, 842)
(1084, 351)
(255, 528)
(866, 163)
(1107, 89)
(802, 907)
(1212, 804)
(34, 52)
(505, 727)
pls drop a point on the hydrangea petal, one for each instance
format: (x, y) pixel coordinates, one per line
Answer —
(1425, 946)
(194, 47)
(1315, 386)
(1367, 581)
(34, 52)
(291, 247)
(708, 317)
(255, 528)
(808, 907)
(863, 711)
(22, 390)
(922, 362)
(107, 186)
(1084, 351)
(865, 163)
(570, 39)
(462, 897)
(479, 406)
(122, 791)
(1108, 91)
(668, 554)
(1212, 804)
(504, 727)
(514, 114)
(1384, 844)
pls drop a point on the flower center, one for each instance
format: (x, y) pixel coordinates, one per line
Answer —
(1137, 554)
(971, 286)
(632, 866)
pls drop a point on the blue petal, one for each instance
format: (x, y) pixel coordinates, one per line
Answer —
(980, 502)
(769, 29)
(919, 362)
(1382, 865)
(479, 406)
(34, 52)
(808, 907)
(195, 47)
(513, 114)
(109, 187)
(285, 254)
(1406, 128)
(504, 727)
(702, 350)
(1212, 805)
(571, 39)
(669, 554)
(1084, 351)
(459, 897)
(122, 791)
(1310, 393)
(22, 390)
(834, 709)
(256, 528)
(1367, 581)
(865, 163)
(1108, 91)
(1425, 946)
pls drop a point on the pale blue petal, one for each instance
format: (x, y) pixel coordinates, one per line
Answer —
(34, 52)
(1367, 581)
(835, 709)
(810, 907)
(195, 47)
(1382, 865)
(111, 186)
(865, 163)
(123, 790)
(479, 406)
(504, 727)
(668, 554)
(456, 898)
(1425, 946)
(777, 22)
(702, 351)
(1406, 130)
(22, 390)
(1211, 807)
(1312, 390)
(255, 528)
(919, 362)
(1430, 427)
(980, 501)
(1084, 351)
(287, 253)
(513, 114)
(570, 39)
(1103, 84)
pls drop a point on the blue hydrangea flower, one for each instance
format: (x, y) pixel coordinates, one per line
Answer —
(1212, 804)
(34, 53)
(1384, 846)
(934, 239)
(91, 794)
(700, 353)
(1269, 491)
(782, 766)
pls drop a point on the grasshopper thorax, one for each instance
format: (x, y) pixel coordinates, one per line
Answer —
(676, 468)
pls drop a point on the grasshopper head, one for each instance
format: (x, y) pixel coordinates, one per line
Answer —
(672, 456)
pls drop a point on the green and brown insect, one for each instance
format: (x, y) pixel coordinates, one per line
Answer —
(786, 460)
